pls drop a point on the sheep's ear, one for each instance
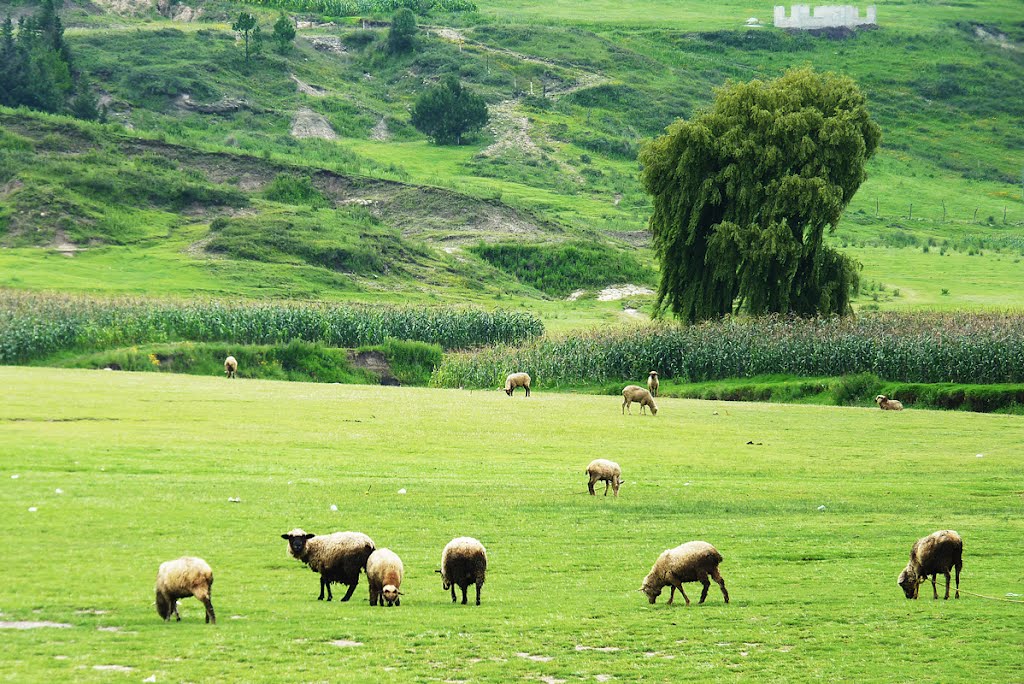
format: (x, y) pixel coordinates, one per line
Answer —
(438, 572)
(310, 536)
(400, 593)
(285, 536)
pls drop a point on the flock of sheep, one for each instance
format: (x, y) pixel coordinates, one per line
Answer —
(340, 557)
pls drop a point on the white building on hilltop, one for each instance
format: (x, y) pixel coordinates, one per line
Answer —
(825, 16)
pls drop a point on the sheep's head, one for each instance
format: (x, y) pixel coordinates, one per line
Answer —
(654, 408)
(653, 374)
(445, 584)
(880, 399)
(910, 582)
(297, 539)
(652, 591)
(508, 391)
(390, 593)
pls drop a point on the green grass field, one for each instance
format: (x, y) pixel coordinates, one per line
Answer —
(146, 464)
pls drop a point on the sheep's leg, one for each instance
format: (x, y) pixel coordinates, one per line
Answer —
(590, 485)
(174, 604)
(606, 483)
(958, 581)
(685, 597)
(210, 615)
(946, 597)
(615, 487)
(478, 585)
(935, 591)
(464, 588)
(717, 576)
(453, 594)
(373, 597)
(706, 584)
(624, 406)
(527, 390)
(672, 595)
(351, 588)
(322, 585)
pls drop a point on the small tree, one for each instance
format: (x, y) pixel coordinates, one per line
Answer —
(257, 41)
(245, 25)
(402, 36)
(448, 111)
(284, 33)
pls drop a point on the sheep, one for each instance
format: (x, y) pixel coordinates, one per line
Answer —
(887, 404)
(515, 380)
(230, 366)
(181, 578)
(652, 383)
(384, 573)
(609, 472)
(338, 557)
(631, 393)
(463, 562)
(690, 562)
(931, 555)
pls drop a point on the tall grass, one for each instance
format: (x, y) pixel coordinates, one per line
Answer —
(35, 325)
(928, 347)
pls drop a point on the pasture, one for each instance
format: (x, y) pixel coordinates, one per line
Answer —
(146, 464)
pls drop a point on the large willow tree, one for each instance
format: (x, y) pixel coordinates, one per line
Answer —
(744, 191)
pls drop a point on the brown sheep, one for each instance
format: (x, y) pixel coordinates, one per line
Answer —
(631, 393)
(693, 561)
(515, 380)
(887, 404)
(338, 557)
(230, 366)
(652, 383)
(603, 470)
(181, 578)
(937, 553)
(384, 572)
(463, 562)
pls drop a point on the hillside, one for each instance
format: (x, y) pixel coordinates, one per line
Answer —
(300, 176)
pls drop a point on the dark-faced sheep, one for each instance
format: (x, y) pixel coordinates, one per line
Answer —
(338, 557)
(635, 393)
(935, 554)
(384, 573)
(693, 561)
(652, 383)
(181, 578)
(463, 562)
(515, 380)
(230, 366)
(603, 470)
(887, 404)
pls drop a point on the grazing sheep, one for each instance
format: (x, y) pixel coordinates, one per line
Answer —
(463, 562)
(181, 578)
(607, 471)
(515, 380)
(631, 393)
(690, 562)
(230, 366)
(887, 404)
(384, 573)
(931, 555)
(338, 557)
(652, 383)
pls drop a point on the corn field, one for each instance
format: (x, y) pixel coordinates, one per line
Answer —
(921, 347)
(33, 325)
(355, 8)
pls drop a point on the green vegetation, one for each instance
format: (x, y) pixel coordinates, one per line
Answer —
(284, 34)
(36, 325)
(402, 34)
(744, 192)
(148, 462)
(448, 111)
(961, 348)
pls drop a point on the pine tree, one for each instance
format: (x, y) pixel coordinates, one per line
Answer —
(284, 33)
(244, 25)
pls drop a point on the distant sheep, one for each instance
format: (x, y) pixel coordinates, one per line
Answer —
(887, 404)
(652, 383)
(931, 555)
(693, 561)
(463, 562)
(603, 470)
(181, 578)
(384, 573)
(230, 366)
(631, 393)
(515, 380)
(338, 557)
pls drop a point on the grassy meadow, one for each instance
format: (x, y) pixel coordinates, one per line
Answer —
(126, 470)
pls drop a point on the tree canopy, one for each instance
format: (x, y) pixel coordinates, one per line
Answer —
(245, 24)
(448, 111)
(744, 191)
(284, 33)
(402, 35)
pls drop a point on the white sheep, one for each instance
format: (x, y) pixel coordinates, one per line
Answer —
(603, 470)
(652, 383)
(887, 404)
(230, 366)
(338, 557)
(631, 393)
(693, 561)
(384, 572)
(181, 578)
(515, 380)
(937, 553)
(463, 562)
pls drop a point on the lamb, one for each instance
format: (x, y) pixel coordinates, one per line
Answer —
(384, 573)
(690, 562)
(631, 393)
(652, 383)
(230, 366)
(609, 472)
(931, 555)
(887, 404)
(181, 578)
(338, 557)
(515, 380)
(463, 562)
